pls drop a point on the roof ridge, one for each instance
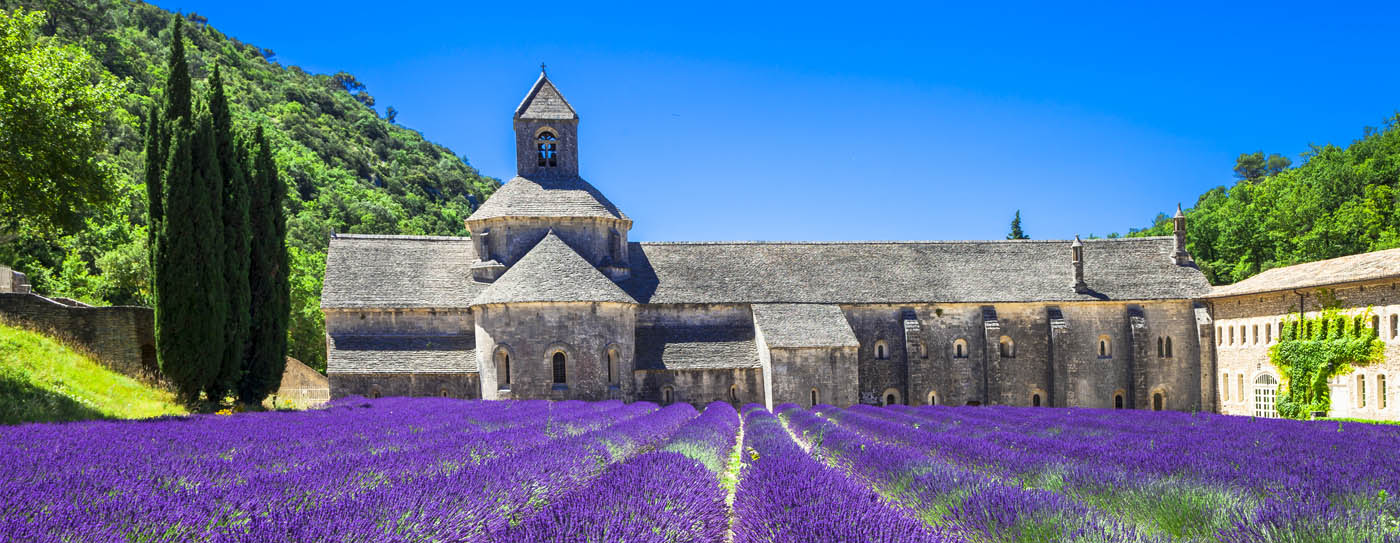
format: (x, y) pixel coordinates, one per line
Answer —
(901, 242)
(400, 237)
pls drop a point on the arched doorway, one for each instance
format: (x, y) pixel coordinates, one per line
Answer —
(1265, 387)
(890, 396)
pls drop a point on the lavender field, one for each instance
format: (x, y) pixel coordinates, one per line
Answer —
(426, 469)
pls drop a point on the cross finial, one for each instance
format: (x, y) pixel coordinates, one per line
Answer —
(541, 67)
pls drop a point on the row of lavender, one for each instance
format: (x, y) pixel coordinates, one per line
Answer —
(1017, 474)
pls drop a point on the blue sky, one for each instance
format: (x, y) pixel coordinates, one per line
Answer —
(707, 121)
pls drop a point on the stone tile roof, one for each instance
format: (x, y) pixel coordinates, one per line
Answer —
(1347, 269)
(543, 196)
(400, 354)
(368, 272)
(906, 272)
(695, 347)
(544, 101)
(803, 325)
(552, 272)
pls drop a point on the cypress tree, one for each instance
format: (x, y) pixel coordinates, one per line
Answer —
(268, 276)
(234, 194)
(155, 168)
(163, 116)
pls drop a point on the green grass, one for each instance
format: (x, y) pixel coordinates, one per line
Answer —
(42, 380)
(1367, 421)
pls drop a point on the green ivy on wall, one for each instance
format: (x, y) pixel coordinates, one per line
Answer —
(1311, 351)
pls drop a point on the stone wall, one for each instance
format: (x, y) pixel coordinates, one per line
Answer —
(121, 338)
(1242, 360)
(737, 387)
(532, 333)
(831, 371)
(375, 385)
(508, 239)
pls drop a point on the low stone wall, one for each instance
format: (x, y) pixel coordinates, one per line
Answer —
(375, 385)
(121, 338)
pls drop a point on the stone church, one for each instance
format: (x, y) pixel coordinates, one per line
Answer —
(549, 299)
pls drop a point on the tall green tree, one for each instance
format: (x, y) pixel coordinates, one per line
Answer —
(1016, 232)
(270, 301)
(54, 102)
(191, 291)
(235, 194)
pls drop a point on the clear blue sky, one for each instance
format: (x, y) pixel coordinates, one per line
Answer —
(861, 121)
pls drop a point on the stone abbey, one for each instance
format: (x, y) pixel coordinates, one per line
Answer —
(549, 299)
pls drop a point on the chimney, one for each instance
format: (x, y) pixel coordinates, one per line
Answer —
(1078, 249)
(1179, 254)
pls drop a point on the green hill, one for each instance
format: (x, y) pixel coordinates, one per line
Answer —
(348, 168)
(41, 380)
(1339, 201)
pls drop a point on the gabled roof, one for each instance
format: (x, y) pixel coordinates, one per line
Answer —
(402, 354)
(544, 101)
(803, 325)
(695, 347)
(552, 272)
(907, 272)
(544, 196)
(1347, 269)
(402, 272)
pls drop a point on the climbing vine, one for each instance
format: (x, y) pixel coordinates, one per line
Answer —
(1311, 351)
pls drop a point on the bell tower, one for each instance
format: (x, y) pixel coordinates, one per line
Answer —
(546, 133)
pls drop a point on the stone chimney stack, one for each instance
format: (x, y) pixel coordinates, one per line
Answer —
(1179, 255)
(1078, 249)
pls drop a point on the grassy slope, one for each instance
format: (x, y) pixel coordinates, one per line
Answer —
(41, 380)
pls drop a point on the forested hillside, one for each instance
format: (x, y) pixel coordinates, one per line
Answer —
(1339, 201)
(347, 168)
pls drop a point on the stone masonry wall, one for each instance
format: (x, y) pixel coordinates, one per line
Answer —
(121, 338)
(1242, 358)
(832, 371)
(532, 333)
(375, 385)
(509, 239)
(701, 387)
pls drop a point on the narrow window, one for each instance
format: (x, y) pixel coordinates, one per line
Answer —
(1256, 334)
(1219, 335)
(1268, 332)
(960, 348)
(1117, 401)
(880, 351)
(375, 392)
(612, 366)
(547, 144)
(1361, 391)
(814, 397)
(1161, 349)
(1006, 348)
(1394, 326)
(1157, 402)
(1376, 325)
(502, 369)
(1232, 335)
(1244, 337)
(1169, 346)
(1035, 400)
(1105, 346)
(1225, 389)
(1380, 391)
(442, 393)
(559, 374)
(1239, 388)
(933, 398)
(666, 393)
(734, 393)
(1264, 390)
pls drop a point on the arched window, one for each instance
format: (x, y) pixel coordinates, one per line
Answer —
(1268, 332)
(1239, 390)
(932, 398)
(960, 348)
(881, 350)
(548, 146)
(667, 395)
(1225, 388)
(1376, 325)
(1169, 346)
(1380, 392)
(891, 396)
(1361, 391)
(1219, 335)
(1255, 329)
(1035, 400)
(1161, 349)
(815, 398)
(1264, 390)
(1006, 348)
(1394, 326)
(502, 368)
(1158, 402)
(442, 392)
(1105, 347)
(1117, 401)
(1232, 335)
(559, 374)
(734, 393)
(1244, 337)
